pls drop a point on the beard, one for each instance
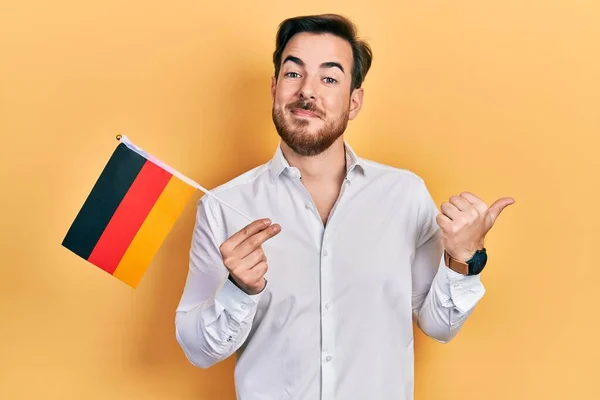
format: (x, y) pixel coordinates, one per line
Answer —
(296, 134)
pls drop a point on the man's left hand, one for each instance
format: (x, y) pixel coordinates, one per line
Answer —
(465, 220)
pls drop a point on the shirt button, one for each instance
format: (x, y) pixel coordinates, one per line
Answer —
(308, 206)
(325, 253)
(243, 307)
(328, 358)
(327, 306)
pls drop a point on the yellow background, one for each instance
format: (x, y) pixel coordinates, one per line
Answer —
(498, 97)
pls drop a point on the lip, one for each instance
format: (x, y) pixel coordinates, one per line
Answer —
(304, 113)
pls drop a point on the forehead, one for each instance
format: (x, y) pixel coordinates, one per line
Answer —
(314, 49)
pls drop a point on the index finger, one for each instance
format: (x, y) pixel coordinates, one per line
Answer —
(475, 201)
(246, 232)
(256, 240)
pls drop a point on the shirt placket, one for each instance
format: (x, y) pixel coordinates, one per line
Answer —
(328, 373)
(327, 323)
(328, 349)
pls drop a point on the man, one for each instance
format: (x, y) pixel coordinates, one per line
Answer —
(318, 300)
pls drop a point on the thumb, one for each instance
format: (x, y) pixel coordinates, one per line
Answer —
(499, 205)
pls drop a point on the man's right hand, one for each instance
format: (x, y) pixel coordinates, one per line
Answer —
(244, 257)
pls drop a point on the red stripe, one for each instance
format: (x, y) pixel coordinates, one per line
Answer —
(129, 216)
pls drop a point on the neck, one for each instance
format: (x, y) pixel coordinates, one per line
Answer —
(328, 166)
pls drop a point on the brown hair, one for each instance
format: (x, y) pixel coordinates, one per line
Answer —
(327, 23)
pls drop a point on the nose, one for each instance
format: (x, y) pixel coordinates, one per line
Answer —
(307, 91)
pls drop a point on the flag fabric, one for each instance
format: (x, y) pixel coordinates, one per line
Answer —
(128, 213)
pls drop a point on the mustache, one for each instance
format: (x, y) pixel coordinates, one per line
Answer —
(304, 105)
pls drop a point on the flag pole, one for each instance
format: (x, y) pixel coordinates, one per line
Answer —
(123, 139)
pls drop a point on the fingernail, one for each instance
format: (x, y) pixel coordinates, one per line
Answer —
(267, 222)
(276, 228)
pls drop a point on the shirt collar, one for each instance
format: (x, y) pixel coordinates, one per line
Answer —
(279, 164)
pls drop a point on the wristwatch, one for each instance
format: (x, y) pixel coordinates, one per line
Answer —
(473, 266)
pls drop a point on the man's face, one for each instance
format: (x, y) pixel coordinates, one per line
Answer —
(312, 102)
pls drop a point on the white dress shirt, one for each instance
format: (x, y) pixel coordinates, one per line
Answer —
(335, 318)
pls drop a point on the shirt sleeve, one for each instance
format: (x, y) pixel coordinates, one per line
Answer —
(214, 316)
(442, 298)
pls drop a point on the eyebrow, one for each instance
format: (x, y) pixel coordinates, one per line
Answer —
(328, 64)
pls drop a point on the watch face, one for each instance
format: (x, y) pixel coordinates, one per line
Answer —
(477, 263)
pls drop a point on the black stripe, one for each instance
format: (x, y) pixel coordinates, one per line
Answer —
(113, 183)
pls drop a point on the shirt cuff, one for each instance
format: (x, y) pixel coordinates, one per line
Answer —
(465, 290)
(235, 301)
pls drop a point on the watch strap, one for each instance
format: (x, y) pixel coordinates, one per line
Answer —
(456, 265)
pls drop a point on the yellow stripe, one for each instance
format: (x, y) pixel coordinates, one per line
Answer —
(153, 231)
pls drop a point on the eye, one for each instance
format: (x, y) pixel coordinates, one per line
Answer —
(292, 75)
(330, 80)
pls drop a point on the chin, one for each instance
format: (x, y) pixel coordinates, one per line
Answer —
(307, 132)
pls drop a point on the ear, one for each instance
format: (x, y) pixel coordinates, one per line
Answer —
(356, 102)
(273, 86)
